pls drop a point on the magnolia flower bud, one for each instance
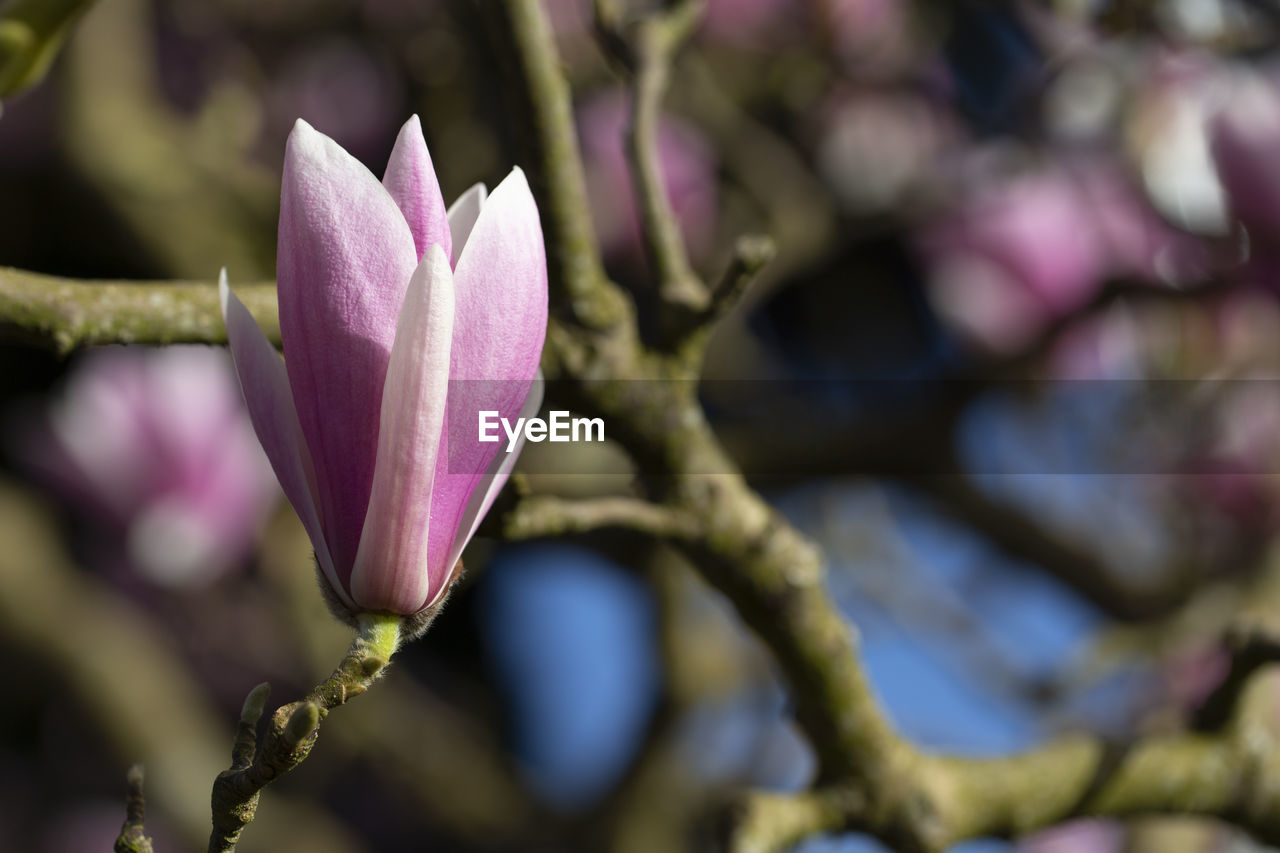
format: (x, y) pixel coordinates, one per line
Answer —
(397, 319)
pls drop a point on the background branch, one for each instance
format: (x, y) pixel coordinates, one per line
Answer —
(64, 314)
(542, 104)
(647, 51)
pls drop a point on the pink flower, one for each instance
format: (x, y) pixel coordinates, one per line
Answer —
(155, 445)
(398, 320)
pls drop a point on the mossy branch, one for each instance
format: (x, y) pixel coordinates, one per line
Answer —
(64, 314)
(293, 730)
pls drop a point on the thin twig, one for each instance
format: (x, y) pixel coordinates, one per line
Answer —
(293, 730)
(133, 838)
(580, 290)
(751, 254)
(648, 52)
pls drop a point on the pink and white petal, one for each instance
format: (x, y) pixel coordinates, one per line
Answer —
(487, 489)
(391, 565)
(411, 180)
(501, 279)
(267, 395)
(462, 216)
(499, 326)
(345, 259)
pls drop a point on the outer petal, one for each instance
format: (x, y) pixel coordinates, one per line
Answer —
(487, 489)
(270, 402)
(463, 214)
(411, 180)
(498, 331)
(391, 566)
(345, 259)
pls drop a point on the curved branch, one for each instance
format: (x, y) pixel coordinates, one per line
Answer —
(1232, 775)
(648, 55)
(293, 729)
(64, 314)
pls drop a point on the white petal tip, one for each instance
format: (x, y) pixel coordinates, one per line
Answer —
(435, 254)
(224, 292)
(515, 182)
(306, 140)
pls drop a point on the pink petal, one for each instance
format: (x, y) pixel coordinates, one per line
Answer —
(490, 485)
(345, 258)
(411, 180)
(267, 395)
(499, 326)
(391, 566)
(462, 216)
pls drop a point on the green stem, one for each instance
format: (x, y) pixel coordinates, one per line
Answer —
(381, 632)
(293, 729)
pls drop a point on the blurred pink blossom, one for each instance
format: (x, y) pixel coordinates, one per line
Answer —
(1012, 258)
(155, 446)
(688, 168)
